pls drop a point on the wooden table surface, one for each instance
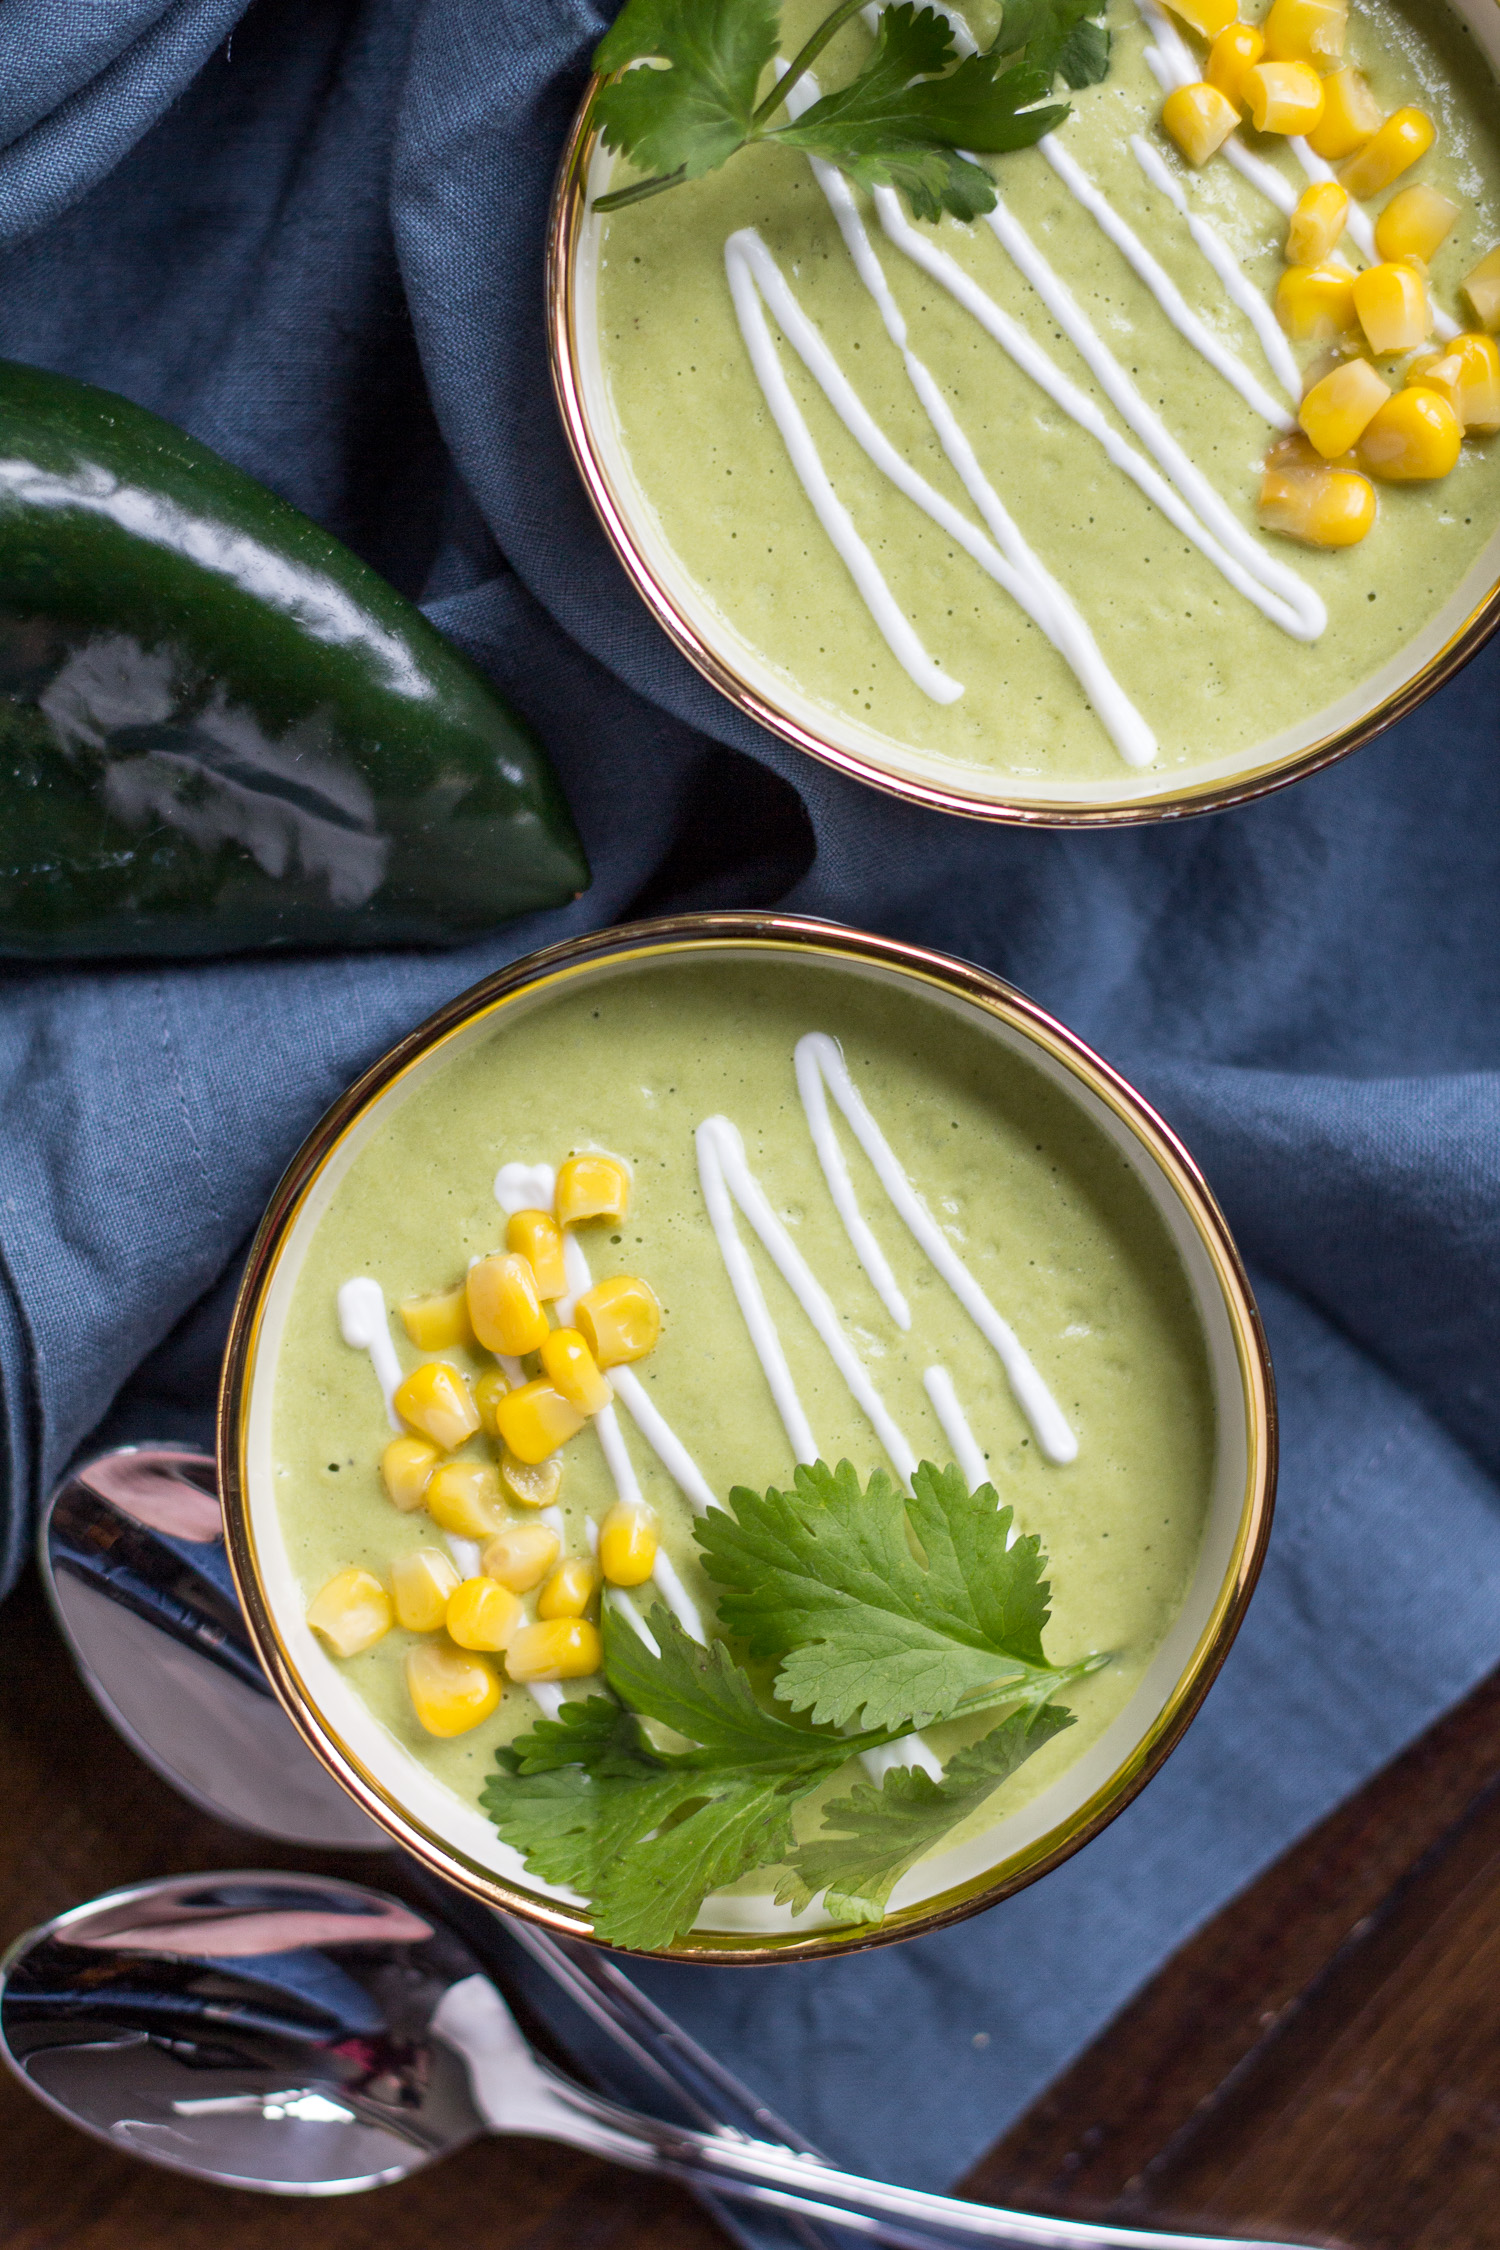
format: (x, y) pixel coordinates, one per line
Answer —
(1322, 2062)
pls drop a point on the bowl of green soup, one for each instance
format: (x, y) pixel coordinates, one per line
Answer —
(1161, 483)
(742, 1439)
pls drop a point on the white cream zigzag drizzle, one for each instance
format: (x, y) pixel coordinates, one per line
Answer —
(1184, 495)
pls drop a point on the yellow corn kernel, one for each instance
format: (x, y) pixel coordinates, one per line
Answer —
(504, 1305)
(352, 1612)
(627, 1545)
(1238, 46)
(1391, 301)
(560, 1648)
(1416, 222)
(483, 1614)
(464, 1497)
(1351, 116)
(575, 1371)
(1482, 288)
(451, 1691)
(1335, 411)
(1207, 17)
(521, 1556)
(591, 1187)
(1284, 97)
(421, 1583)
(435, 1400)
(1415, 436)
(405, 1466)
(538, 1238)
(488, 1392)
(436, 1324)
(1200, 119)
(1467, 374)
(1405, 135)
(569, 1590)
(1393, 307)
(1319, 506)
(1315, 303)
(1317, 223)
(1309, 31)
(535, 1420)
(619, 1319)
(533, 1484)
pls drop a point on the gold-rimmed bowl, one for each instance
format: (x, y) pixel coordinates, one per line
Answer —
(458, 1842)
(743, 672)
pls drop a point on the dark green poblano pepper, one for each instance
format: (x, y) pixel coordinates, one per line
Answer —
(219, 730)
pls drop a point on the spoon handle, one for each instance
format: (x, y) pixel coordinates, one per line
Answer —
(517, 2093)
(760, 2173)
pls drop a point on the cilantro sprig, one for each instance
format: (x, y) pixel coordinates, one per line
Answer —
(907, 119)
(871, 1837)
(825, 1577)
(687, 1776)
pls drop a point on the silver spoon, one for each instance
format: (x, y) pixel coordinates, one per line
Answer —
(131, 1552)
(131, 1548)
(309, 2037)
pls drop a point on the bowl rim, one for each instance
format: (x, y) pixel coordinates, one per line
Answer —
(565, 224)
(707, 933)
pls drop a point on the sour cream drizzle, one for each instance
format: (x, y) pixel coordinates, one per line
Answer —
(364, 1327)
(1050, 607)
(465, 1553)
(1274, 590)
(818, 1053)
(1221, 258)
(911, 1750)
(1162, 287)
(746, 283)
(728, 1180)
(810, 1067)
(756, 282)
(938, 1384)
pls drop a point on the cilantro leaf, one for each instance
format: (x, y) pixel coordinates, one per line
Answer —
(893, 126)
(896, 101)
(1059, 37)
(692, 116)
(1083, 59)
(825, 1577)
(906, 119)
(702, 1694)
(646, 1835)
(871, 1837)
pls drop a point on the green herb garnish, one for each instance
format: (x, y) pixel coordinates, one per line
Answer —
(871, 1837)
(686, 1780)
(900, 122)
(826, 1577)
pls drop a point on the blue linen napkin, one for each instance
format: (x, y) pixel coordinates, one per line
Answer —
(322, 254)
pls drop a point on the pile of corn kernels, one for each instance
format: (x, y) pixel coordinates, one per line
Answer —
(1354, 424)
(476, 1623)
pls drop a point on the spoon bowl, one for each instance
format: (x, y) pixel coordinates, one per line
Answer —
(306, 2036)
(257, 2031)
(131, 1551)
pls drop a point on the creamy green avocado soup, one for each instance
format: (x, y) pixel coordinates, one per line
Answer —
(647, 1242)
(1025, 500)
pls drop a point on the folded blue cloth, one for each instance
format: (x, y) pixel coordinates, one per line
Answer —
(324, 257)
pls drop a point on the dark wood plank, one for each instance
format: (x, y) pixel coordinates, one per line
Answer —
(1321, 2061)
(82, 1814)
